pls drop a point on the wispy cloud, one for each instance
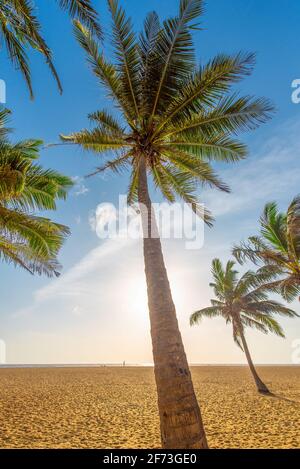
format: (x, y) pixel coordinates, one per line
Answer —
(79, 187)
(270, 173)
(70, 284)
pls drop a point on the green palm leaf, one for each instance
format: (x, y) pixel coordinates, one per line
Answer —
(20, 30)
(127, 56)
(277, 248)
(26, 240)
(175, 48)
(207, 86)
(84, 12)
(209, 312)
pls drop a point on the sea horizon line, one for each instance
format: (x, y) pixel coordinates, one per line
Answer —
(121, 365)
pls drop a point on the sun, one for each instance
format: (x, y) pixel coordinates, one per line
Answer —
(136, 295)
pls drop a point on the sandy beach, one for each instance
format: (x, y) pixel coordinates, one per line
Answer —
(115, 407)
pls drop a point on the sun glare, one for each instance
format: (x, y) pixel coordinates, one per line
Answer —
(136, 296)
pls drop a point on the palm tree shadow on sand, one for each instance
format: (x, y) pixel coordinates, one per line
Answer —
(279, 397)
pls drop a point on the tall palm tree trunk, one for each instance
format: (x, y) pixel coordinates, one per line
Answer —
(180, 418)
(261, 387)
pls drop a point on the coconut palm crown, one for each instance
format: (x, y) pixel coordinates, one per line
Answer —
(20, 30)
(176, 115)
(243, 302)
(277, 247)
(26, 240)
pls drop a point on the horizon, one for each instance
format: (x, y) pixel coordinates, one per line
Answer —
(141, 365)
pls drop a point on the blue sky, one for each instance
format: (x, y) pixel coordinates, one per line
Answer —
(96, 311)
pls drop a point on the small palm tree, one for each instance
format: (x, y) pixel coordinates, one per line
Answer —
(20, 30)
(243, 302)
(29, 241)
(277, 247)
(174, 118)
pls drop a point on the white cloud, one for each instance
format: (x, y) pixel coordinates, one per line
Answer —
(69, 284)
(79, 186)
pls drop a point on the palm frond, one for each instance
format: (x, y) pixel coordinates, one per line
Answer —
(96, 140)
(107, 122)
(175, 49)
(288, 287)
(84, 12)
(20, 255)
(207, 86)
(254, 324)
(4, 119)
(232, 114)
(21, 29)
(117, 165)
(132, 195)
(105, 71)
(210, 312)
(263, 323)
(162, 182)
(126, 51)
(271, 307)
(277, 248)
(183, 185)
(197, 168)
(293, 227)
(273, 227)
(211, 147)
(150, 62)
(16, 51)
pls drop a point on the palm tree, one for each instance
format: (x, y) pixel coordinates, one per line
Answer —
(20, 30)
(243, 302)
(277, 247)
(29, 241)
(175, 118)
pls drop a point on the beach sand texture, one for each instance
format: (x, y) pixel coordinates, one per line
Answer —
(115, 407)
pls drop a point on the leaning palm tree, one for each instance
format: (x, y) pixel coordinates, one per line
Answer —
(174, 118)
(26, 240)
(20, 30)
(277, 247)
(243, 302)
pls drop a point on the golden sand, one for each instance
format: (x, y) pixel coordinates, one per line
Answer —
(111, 407)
